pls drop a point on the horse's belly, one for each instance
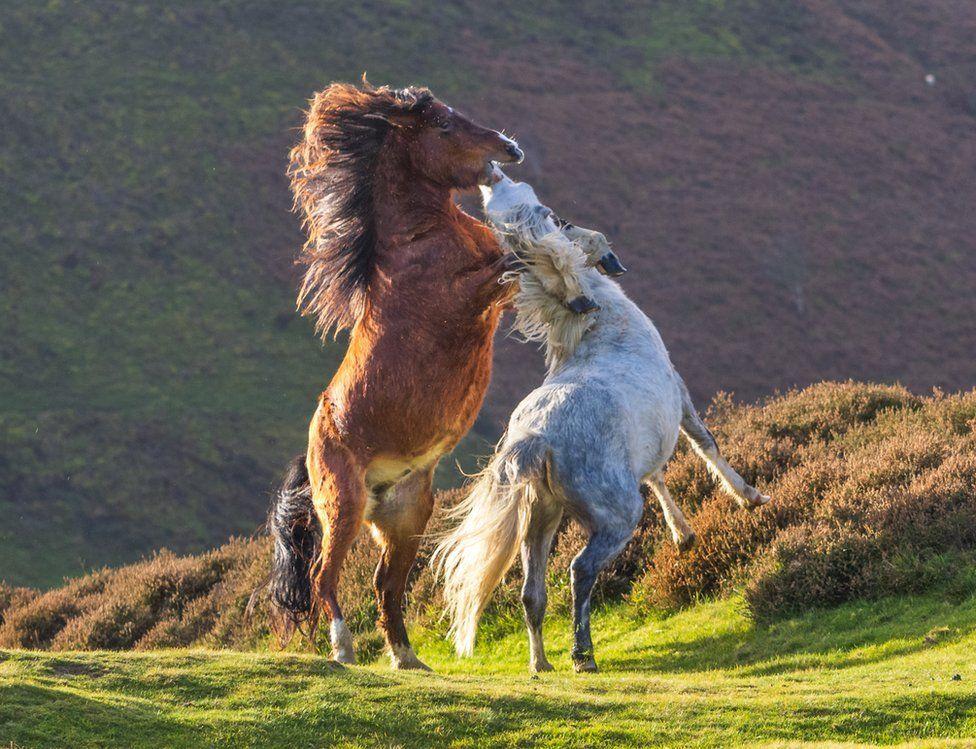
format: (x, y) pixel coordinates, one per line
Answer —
(385, 470)
(407, 392)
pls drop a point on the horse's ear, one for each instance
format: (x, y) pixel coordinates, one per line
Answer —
(367, 86)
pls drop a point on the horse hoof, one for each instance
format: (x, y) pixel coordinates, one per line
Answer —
(687, 543)
(540, 667)
(758, 500)
(346, 657)
(582, 304)
(404, 659)
(585, 666)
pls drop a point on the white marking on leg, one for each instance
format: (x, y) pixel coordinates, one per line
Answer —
(341, 639)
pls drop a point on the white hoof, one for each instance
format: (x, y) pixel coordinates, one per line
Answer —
(754, 499)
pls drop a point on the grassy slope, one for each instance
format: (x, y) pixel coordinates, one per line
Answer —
(706, 677)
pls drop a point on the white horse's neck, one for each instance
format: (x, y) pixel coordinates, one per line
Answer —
(563, 332)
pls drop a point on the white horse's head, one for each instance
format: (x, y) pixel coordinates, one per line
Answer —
(555, 264)
(507, 201)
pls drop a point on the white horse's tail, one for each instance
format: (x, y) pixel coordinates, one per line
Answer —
(494, 516)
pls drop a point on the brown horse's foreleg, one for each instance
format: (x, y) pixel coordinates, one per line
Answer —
(339, 498)
(397, 523)
(487, 281)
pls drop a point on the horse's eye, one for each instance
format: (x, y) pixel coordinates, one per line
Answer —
(445, 126)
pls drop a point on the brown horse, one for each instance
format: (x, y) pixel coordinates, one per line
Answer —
(392, 257)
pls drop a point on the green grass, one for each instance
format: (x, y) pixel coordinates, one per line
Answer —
(862, 673)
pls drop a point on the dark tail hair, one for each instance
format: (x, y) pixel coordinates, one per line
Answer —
(297, 536)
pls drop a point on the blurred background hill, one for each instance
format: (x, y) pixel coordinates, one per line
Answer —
(791, 186)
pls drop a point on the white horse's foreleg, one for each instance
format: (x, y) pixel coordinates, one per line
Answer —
(543, 523)
(681, 532)
(704, 444)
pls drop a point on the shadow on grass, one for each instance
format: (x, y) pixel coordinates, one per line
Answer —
(342, 709)
(52, 716)
(849, 635)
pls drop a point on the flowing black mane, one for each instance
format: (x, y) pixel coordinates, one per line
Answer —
(331, 174)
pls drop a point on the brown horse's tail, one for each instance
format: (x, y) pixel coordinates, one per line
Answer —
(297, 536)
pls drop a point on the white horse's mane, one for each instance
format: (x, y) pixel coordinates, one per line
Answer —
(556, 269)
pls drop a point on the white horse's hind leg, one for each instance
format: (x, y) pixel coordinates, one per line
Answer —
(543, 523)
(610, 517)
(603, 546)
(681, 532)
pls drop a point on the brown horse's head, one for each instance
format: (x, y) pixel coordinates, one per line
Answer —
(451, 150)
(351, 133)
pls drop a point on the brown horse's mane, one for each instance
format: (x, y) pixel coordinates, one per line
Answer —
(331, 171)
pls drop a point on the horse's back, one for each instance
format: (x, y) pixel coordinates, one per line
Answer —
(617, 401)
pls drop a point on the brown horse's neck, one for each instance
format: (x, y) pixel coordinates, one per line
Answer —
(407, 204)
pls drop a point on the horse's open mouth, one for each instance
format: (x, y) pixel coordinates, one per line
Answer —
(485, 177)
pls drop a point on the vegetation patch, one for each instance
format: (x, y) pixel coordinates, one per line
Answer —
(874, 493)
(708, 676)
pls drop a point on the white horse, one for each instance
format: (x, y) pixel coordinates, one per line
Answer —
(605, 421)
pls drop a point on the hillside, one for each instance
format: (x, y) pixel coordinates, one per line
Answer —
(844, 611)
(791, 197)
(899, 671)
(874, 494)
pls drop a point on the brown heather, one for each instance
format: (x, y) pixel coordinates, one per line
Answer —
(874, 492)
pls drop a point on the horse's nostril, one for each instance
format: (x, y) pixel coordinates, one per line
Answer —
(515, 153)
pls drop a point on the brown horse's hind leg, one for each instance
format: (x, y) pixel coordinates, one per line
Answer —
(397, 523)
(339, 497)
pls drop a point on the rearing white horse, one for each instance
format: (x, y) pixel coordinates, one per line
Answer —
(605, 420)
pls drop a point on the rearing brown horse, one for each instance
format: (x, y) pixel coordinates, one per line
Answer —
(391, 256)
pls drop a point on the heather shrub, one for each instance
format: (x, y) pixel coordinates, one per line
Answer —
(13, 598)
(874, 492)
(879, 496)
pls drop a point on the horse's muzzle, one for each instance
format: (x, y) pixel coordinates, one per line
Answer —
(511, 153)
(582, 304)
(515, 153)
(610, 265)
